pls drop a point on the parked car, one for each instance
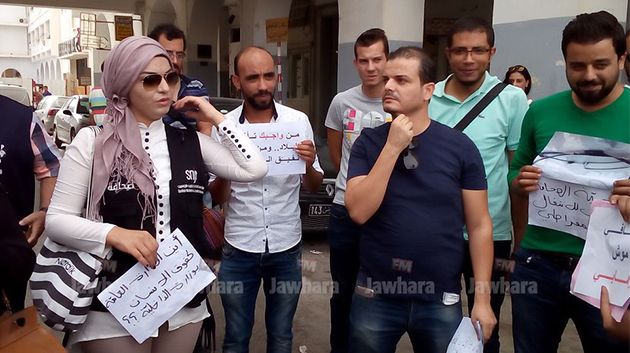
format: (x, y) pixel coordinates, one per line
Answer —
(71, 117)
(15, 92)
(225, 105)
(48, 108)
(315, 206)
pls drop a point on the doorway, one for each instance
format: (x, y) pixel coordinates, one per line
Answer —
(312, 59)
(439, 16)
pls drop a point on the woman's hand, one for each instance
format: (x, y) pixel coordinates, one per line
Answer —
(137, 243)
(199, 109)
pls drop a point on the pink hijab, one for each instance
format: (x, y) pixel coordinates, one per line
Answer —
(118, 151)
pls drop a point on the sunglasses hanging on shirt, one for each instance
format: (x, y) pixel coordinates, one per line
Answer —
(410, 161)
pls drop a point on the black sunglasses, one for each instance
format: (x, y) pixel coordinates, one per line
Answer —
(152, 81)
(410, 161)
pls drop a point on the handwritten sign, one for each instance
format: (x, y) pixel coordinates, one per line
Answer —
(576, 171)
(465, 338)
(276, 142)
(606, 258)
(143, 298)
(563, 206)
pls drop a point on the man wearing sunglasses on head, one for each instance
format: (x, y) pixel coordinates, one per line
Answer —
(174, 41)
(495, 129)
(412, 185)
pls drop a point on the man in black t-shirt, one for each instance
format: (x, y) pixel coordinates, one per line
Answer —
(413, 184)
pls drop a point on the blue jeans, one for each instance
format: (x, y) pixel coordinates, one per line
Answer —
(540, 315)
(343, 237)
(240, 275)
(378, 322)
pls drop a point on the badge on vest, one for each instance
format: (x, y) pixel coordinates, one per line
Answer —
(191, 175)
(192, 187)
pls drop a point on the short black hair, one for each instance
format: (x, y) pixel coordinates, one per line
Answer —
(471, 24)
(369, 37)
(426, 65)
(169, 30)
(589, 28)
(237, 58)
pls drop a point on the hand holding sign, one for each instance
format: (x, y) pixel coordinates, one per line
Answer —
(137, 243)
(621, 197)
(527, 180)
(282, 146)
(577, 170)
(605, 260)
(306, 151)
(143, 298)
(621, 329)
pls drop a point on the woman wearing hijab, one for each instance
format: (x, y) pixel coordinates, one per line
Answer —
(147, 179)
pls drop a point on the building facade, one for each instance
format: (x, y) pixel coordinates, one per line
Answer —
(315, 49)
(15, 60)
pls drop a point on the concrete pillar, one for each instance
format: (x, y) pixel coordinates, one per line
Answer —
(402, 20)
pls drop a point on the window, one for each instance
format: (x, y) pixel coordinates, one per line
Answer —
(11, 73)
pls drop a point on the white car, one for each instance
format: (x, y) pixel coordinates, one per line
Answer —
(17, 93)
(48, 108)
(70, 118)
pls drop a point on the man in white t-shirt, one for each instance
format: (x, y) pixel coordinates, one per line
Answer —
(351, 111)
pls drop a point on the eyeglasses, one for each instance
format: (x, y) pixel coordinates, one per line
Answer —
(476, 51)
(180, 55)
(410, 161)
(152, 81)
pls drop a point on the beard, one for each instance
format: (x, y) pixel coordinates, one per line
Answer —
(581, 89)
(251, 100)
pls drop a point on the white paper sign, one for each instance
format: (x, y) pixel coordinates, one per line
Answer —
(606, 257)
(576, 170)
(563, 206)
(276, 142)
(143, 298)
(465, 339)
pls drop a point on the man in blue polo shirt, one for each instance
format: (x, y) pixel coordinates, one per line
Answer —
(495, 132)
(412, 185)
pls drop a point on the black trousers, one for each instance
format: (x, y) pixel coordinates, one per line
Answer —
(17, 259)
(502, 249)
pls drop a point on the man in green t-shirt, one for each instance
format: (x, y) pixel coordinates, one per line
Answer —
(597, 105)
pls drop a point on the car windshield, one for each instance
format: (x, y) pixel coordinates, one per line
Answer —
(60, 102)
(44, 102)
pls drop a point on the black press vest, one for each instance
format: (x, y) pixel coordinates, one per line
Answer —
(189, 179)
